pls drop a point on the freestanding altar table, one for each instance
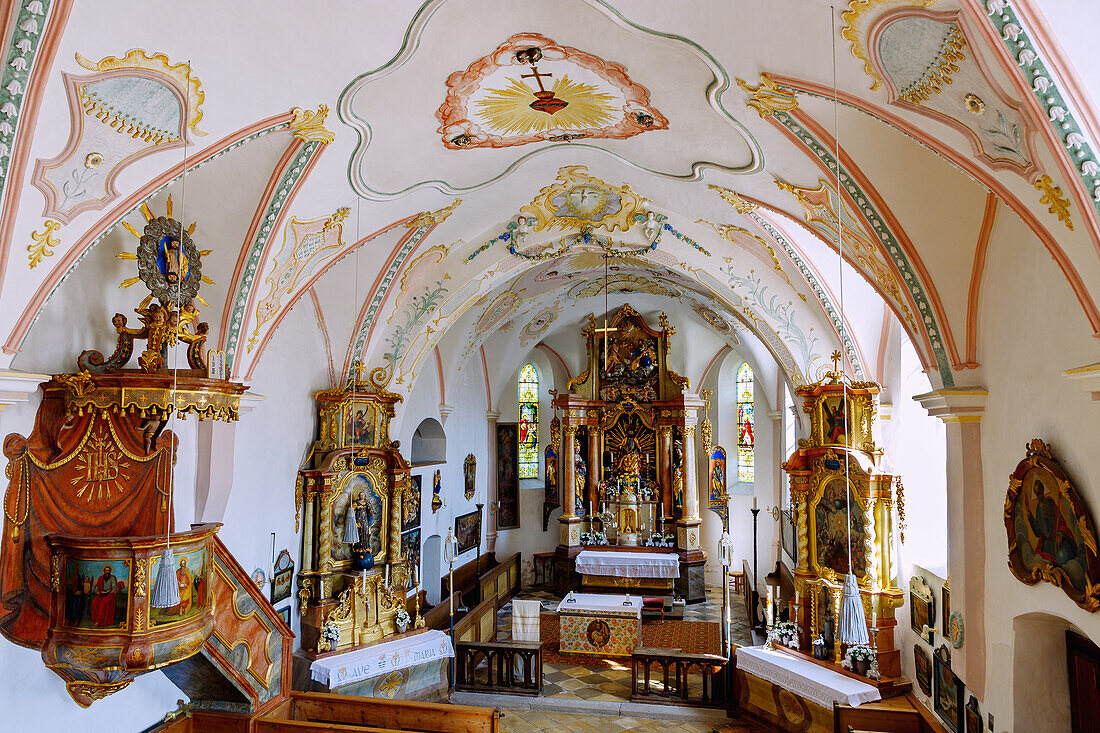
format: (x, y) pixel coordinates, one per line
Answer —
(600, 624)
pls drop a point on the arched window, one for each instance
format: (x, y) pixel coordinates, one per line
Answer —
(745, 441)
(528, 422)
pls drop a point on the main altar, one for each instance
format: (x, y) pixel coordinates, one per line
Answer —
(629, 447)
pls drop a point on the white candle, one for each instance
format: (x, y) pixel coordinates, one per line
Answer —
(754, 502)
(771, 608)
(874, 614)
(387, 574)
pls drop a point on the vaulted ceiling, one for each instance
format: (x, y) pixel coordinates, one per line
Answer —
(368, 161)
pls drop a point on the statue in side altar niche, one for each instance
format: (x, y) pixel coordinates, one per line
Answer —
(361, 555)
(580, 469)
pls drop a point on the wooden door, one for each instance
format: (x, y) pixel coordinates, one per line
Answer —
(1084, 682)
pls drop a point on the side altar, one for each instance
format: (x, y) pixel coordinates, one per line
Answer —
(628, 445)
(350, 499)
(844, 506)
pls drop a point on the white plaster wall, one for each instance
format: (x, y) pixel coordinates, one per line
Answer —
(529, 537)
(1031, 329)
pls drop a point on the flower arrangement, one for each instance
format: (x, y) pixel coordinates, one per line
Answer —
(401, 618)
(330, 634)
(860, 653)
(786, 633)
(593, 538)
(860, 658)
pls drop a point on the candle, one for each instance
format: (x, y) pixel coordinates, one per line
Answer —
(771, 607)
(754, 502)
(874, 614)
(387, 574)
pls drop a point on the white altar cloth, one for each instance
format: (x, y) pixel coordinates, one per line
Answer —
(805, 679)
(599, 602)
(629, 564)
(362, 664)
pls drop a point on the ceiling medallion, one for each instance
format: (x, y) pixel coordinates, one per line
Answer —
(492, 104)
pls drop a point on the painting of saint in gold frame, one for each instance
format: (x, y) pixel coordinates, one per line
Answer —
(360, 423)
(371, 503)
(837, 509)
(1051, 534)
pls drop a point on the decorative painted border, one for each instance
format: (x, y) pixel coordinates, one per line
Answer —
(886, 237)
(291, 174)
(21, 329)
(382, 291)
(411, 42)
(25, 38)
(1077, 147)
(815, 285)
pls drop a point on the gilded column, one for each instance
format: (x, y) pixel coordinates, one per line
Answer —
(491, 482)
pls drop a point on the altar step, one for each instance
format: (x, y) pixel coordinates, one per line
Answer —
(611, 708)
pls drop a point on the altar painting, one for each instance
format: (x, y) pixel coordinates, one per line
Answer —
(360, 423)
(835, 424)
(630, 365)
(1051, 534)
(719, 499)
(831, 529)
(507, 475)
(96, 593)
(192, 575)
(361, 487)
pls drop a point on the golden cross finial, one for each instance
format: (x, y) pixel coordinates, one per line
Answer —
(605, 331)
(836, 356)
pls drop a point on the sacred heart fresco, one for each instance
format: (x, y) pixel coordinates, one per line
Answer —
(1051, 534)
(530, 89)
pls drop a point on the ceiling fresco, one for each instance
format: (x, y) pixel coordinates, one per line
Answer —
(510, 164)
(574, 96)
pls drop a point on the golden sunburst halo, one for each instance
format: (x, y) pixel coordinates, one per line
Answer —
(509, 111)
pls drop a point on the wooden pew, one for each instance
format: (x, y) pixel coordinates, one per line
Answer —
(876, 720)
(466, 580)
(317, 711)
(501, 583)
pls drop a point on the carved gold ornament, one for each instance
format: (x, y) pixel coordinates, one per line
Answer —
(430, 218)
(577, 200)
(974, 103)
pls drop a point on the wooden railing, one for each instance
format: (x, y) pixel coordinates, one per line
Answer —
(676, 677)
(499, 666)
(501, 583)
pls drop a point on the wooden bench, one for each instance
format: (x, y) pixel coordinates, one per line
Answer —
(544, 569)
(315, 711)
(501, 661)
(673, 666)
(876, 720)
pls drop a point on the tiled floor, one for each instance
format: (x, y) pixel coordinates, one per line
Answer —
(530, 721)
(611, 684)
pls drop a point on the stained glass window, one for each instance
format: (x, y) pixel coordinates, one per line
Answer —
(745, 440)
(528, 422)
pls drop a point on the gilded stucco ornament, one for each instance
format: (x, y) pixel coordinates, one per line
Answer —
(768, 97)
(1052, 198)
(857, 22)
(310, 126)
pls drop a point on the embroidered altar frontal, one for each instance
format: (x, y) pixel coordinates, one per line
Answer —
(599, 624)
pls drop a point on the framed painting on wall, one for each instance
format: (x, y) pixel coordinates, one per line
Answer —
(923, 665)
(973, 716)
(922, 608)
(412, 505)
(947, 698)
(507, 476)
(1051, 533)
(468, 530)
(410, 550)
(281, 577)
(945, 608)
(284, 612)
(469, 474)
